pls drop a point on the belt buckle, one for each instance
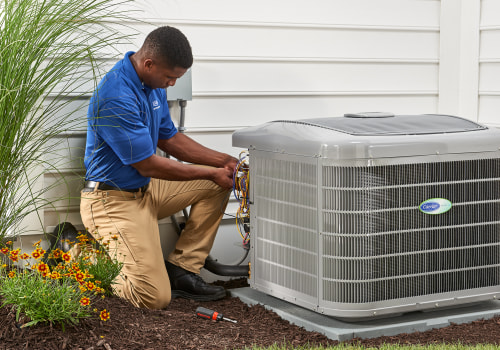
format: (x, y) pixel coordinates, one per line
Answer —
(90, 186)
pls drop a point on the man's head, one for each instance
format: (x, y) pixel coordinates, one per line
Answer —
(163, 58)
(170, 46)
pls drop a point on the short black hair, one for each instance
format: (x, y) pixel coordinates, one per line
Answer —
(169, 45)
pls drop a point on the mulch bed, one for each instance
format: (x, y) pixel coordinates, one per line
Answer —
(177, 327)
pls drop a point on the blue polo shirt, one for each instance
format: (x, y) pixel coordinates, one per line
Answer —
(125, 120)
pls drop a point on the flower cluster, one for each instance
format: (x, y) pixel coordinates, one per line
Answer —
(67, 272)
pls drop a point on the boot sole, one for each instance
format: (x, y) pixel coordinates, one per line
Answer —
(198, 297)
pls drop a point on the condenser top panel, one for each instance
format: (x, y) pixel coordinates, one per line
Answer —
(390, 124)
(370, 136)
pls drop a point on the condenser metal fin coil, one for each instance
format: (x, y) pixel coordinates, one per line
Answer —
(371, 215)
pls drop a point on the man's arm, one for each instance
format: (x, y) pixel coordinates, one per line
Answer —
(186, 149)
(169, 169)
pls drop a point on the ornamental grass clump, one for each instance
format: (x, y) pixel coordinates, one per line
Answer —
(57, 289)
(50, 53)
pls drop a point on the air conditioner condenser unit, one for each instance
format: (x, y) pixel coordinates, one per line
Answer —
(374, 214)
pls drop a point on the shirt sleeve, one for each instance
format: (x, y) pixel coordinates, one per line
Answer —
(120, 123)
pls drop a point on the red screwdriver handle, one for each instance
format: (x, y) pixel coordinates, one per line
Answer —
(208, 314)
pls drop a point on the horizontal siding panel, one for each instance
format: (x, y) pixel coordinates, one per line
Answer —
(220, 141)
(292, 76)
(73, 114)
(490, 9)
(66, 154)
(489, 107)
(489, 48)
(311, 43)
(241, 111)
(398, 12)
(294, 40)
(489, 74)
(64, 189)
(54, 217)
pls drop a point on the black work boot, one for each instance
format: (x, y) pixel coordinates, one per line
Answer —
(189, 285)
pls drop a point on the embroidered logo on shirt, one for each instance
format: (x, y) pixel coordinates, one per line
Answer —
(156, 104)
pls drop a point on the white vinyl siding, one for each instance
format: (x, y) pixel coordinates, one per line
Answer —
(489, 63)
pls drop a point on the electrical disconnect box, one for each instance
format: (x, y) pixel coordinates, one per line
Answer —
(182, 90)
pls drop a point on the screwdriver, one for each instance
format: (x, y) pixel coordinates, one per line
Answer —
(211, 315)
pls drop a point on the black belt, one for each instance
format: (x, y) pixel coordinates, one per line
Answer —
(91, 186)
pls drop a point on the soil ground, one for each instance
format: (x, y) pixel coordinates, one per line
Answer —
(177, 327)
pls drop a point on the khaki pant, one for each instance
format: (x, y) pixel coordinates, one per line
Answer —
(132, 220)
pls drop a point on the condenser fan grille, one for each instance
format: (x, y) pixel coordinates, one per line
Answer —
(376, 240)
(375, 244)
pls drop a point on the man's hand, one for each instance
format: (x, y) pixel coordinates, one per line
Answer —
(223, 177)
(230, 164)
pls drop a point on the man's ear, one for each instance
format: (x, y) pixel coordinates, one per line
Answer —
(148, 63)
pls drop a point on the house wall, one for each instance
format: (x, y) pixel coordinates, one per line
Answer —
(264, 60)
(489, 63)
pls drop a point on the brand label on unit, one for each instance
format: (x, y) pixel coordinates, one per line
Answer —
(435, 206)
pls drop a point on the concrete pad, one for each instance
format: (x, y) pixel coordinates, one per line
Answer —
(340, 330)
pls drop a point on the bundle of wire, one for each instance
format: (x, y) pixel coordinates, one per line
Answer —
(241, 181)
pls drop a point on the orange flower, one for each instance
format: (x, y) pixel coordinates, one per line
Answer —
(12, 274)
(55, 275)
(79, 276)
(104, 315)
(24, 256)
(66, 257)
(8, 243)
(14, 255)
(5, 250)
(90, 285)
(85, 302)
(56, 253)
(36, 254)
(36, 244)
(42, 268)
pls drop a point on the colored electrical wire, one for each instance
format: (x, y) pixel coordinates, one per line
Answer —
(241, 183)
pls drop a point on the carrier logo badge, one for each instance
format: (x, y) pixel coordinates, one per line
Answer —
(435, 206)
(156, 104)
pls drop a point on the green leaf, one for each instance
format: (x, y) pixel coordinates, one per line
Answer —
(29, 324)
